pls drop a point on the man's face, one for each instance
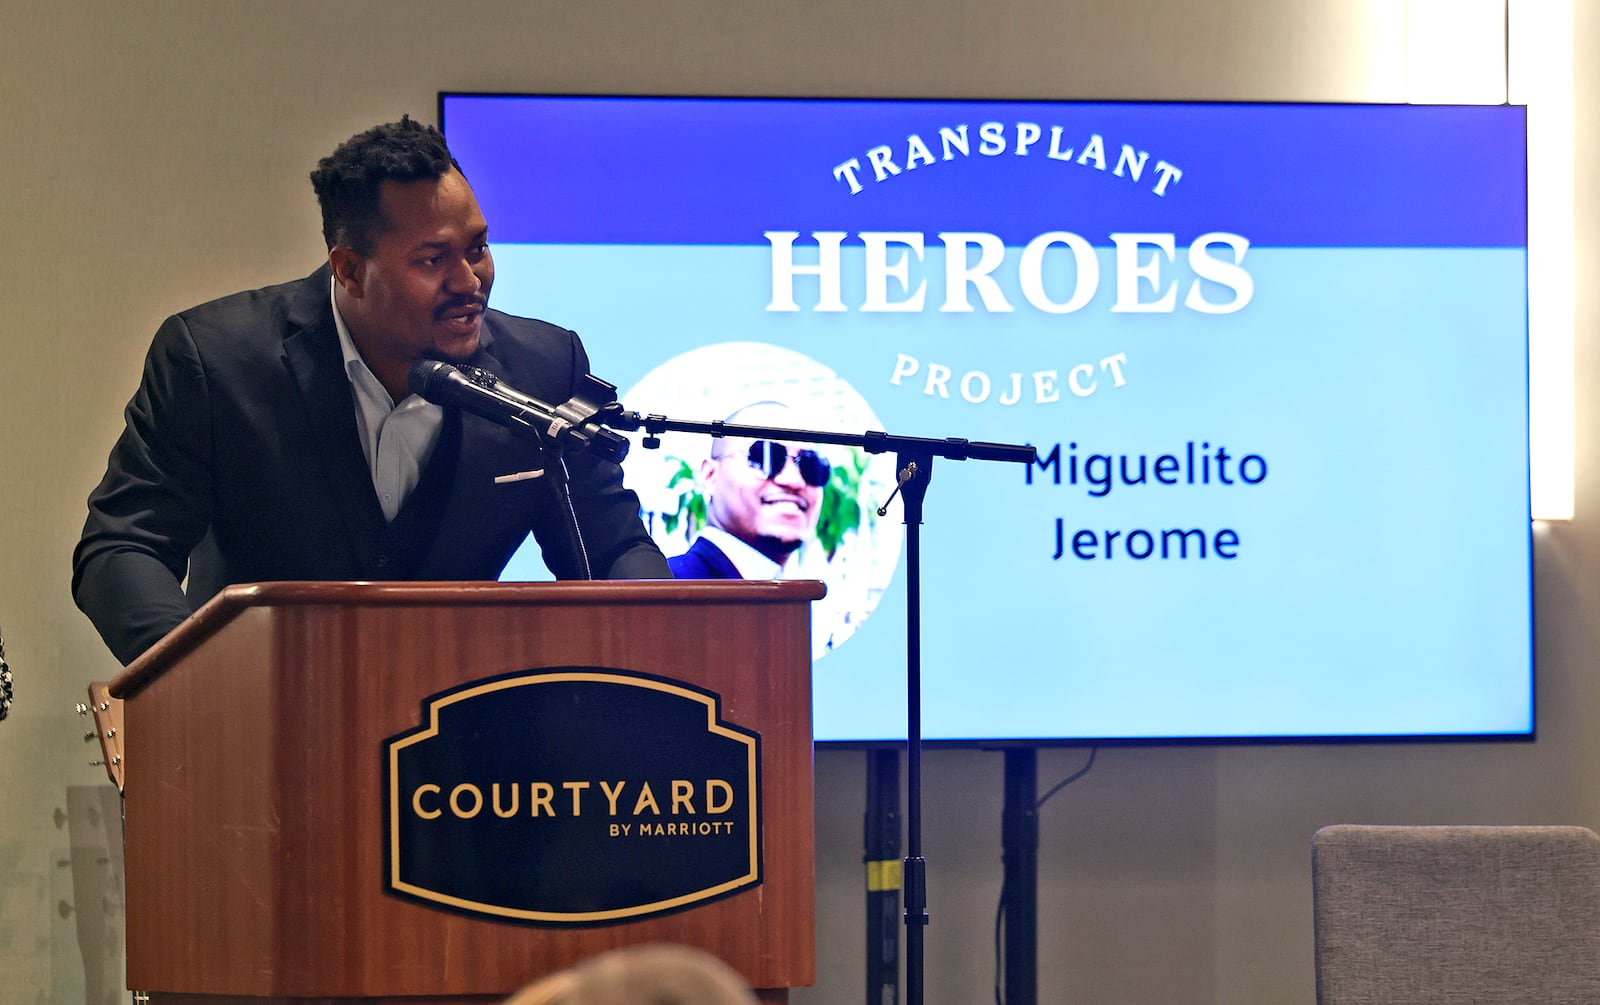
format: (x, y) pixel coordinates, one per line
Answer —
(768, 501)
(423, 288)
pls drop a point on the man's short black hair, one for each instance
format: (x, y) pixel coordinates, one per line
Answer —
(349, 180)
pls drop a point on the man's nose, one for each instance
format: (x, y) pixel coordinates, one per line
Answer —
(789, 474)
(463, 279)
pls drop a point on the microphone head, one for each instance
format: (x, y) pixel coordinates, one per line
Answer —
(453, 387)
(427, 375)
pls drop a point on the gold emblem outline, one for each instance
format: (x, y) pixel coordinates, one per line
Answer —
(534, 678)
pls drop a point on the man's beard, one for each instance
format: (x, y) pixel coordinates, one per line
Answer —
(435, 354)
(776, 548)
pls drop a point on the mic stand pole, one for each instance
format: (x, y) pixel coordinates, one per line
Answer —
(555, 466)
(915, 471)
(914, 466)
(553, 461)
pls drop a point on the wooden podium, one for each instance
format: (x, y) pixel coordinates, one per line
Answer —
(255, 794)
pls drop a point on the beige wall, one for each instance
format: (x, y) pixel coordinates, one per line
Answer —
(154, 154)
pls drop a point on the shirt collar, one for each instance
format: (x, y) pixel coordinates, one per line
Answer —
(751, 563)
(355, 367)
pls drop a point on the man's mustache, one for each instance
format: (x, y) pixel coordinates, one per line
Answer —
(454, 307)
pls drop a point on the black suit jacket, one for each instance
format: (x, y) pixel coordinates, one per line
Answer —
(241, 462)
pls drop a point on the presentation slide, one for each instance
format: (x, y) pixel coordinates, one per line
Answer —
(1273, 359)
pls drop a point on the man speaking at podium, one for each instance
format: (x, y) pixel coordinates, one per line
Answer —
(273, 435)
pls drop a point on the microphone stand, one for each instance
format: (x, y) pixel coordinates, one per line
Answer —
(914, 466)
(481, 392)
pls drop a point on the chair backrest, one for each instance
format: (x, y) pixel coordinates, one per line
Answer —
(1456, 915)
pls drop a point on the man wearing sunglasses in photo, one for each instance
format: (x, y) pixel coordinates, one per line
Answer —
(763, 498)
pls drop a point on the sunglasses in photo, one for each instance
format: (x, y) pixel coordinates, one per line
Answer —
(771, 458)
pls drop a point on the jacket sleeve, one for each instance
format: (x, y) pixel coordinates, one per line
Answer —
(152, 507)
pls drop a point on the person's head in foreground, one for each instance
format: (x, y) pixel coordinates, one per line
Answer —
(642, 975)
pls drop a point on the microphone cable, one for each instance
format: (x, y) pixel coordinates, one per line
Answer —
(1000, 908)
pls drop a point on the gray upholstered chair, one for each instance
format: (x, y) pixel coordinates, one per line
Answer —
(1456, 915)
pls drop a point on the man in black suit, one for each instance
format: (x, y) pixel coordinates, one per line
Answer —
(763, 498)
(273, 435)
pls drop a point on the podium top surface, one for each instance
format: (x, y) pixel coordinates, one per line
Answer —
(234, 600)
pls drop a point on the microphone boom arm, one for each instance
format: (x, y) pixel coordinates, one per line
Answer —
(873, 442)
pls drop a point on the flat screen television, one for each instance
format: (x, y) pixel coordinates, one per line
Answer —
(1273, 358)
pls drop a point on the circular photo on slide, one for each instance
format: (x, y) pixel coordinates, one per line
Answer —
(773, 507)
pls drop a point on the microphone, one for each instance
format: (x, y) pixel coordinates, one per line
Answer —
(482, 393)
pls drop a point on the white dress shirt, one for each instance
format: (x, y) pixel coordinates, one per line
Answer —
(751, 563)
(397, 439)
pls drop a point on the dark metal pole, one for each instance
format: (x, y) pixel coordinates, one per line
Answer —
(883, 877)
(1019, 840)
(916, 469)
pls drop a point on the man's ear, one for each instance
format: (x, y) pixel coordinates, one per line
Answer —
(349, 269)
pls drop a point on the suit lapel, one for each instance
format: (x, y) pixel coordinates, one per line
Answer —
(484, 521)
(717, 559)
(493, 449)
(312, 355)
